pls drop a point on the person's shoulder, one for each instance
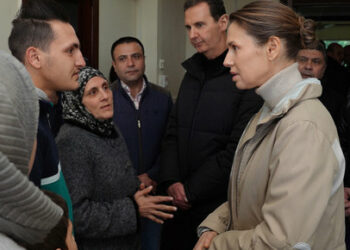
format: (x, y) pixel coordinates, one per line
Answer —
(193, 62)
(311, 111)
(72, 134)
(158, 89)
(115, 85)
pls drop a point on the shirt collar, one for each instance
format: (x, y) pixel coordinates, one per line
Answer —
(137, 98)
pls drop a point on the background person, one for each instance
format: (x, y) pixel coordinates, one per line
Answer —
(336, 52)
(336, 77)
(100, 177)
(285, 188)
(141, 111)
(312, 62)
(344, 135)
(347, 57)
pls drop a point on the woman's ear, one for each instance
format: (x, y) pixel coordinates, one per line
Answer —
(273, 48)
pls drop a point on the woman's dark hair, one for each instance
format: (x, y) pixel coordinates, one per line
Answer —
(57, 236)
(263, 19)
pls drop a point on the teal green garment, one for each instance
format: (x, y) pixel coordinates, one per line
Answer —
(60, 187)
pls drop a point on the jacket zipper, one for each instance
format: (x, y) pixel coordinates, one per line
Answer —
(48, 120)
(140, 167)
(139, 133)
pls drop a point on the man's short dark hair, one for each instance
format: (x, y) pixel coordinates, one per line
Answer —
(333, 47)
(320, 46)
(126, 39)
(45, 10)
(216, 7)
(31, 27)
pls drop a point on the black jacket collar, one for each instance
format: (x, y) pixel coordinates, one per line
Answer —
(200, 67)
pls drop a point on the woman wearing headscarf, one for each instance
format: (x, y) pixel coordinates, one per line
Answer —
(98, 171)
(285, 188)
(26, 214)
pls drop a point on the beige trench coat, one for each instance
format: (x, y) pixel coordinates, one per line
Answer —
(286, 188)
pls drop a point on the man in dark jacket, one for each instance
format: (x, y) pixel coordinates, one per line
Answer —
(44, 41)
(312, 62)
(141, 112)
(347, 58)
(336, 76)
(204, 127)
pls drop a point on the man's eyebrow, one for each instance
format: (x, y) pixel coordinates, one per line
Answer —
(230, 43)
(73, 45)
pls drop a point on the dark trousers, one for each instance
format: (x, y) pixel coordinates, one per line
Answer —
(150, 234)
(179, 233)
(347, 233)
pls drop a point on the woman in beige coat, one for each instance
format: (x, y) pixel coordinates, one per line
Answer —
(286, 187)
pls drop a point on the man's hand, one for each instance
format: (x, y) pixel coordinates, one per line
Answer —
(144, 178)
(205, 240)
(347, 201)
(177, 191)
(150, 206)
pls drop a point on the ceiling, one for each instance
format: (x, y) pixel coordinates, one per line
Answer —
(323, 10)
(332, 16)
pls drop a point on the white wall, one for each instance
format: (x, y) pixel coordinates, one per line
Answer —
(147, 32)
(137, 18)
(159, 26)
(172, 42)
(8, 10)
(117, 19)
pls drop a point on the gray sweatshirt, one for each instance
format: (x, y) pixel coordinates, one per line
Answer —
(26, 214)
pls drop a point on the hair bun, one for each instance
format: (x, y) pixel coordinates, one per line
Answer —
(307, 32)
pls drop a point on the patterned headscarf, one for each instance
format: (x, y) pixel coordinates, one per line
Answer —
(75, 112)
